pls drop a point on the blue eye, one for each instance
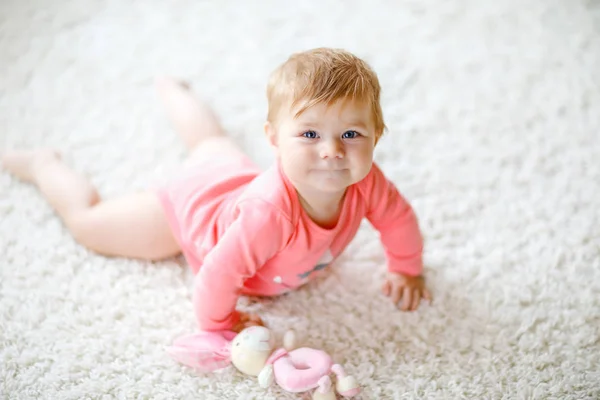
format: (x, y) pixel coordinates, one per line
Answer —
(350, 134)
(310, 134)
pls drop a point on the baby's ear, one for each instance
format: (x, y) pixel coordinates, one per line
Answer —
(271, 133)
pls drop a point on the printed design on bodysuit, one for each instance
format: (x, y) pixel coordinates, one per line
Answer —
(306, 274)
(322, 263)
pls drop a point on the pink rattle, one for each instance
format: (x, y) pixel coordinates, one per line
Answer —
(251, 352)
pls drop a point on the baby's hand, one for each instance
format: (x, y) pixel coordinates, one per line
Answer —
(246, 321)
(409, 289)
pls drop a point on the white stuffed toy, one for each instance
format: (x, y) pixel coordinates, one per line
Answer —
(251, 352)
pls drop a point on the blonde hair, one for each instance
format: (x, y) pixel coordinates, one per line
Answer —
(324, 75)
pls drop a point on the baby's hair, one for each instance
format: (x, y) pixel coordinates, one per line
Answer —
(324, 75)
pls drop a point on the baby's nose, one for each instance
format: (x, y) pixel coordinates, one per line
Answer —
(332, 149)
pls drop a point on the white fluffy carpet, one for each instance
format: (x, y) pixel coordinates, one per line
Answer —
(493, 109)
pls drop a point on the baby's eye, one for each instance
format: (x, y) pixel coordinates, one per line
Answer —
(350, 134)
(310, 134)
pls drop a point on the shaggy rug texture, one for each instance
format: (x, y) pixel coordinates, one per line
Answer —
(493, 110)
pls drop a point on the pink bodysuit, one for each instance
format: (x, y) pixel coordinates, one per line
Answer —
(243, 231)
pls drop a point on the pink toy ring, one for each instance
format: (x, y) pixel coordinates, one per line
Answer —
(301, 369)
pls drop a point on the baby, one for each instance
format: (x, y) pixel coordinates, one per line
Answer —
(247, 231)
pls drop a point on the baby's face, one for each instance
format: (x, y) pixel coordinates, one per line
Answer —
(326, 148)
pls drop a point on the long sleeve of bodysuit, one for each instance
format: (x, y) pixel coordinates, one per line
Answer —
(258, 233)
(397, 224)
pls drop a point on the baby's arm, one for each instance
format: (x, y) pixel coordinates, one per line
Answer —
(257, 234)
(397, 223)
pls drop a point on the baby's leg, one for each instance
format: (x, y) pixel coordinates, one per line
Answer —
(195, 123)
(133, 226)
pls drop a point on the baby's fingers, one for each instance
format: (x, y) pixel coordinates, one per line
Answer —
(240, 326)
(396, 294)
(246, 321)
(427, 296)
(415, 300)
(254, 318)
(407, 296)
(386, 288)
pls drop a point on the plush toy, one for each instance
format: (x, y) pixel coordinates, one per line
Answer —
(251, 352)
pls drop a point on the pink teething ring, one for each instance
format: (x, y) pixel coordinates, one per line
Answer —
(302, 369)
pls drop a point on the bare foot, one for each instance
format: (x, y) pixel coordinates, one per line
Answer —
(23, 163)
(192, 119)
